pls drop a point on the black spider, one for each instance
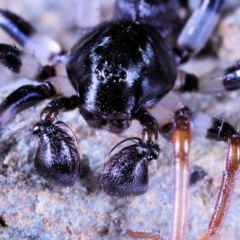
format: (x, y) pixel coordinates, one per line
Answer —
(119, 71)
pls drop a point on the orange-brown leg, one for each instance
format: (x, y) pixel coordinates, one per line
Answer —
(144, 235)
(232, 168)
(181, 145)
(179, 130)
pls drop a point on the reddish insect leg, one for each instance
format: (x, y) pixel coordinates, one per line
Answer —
(181, 145)
(218, 130)
(232, 167)
(203, 126)
(181, 140)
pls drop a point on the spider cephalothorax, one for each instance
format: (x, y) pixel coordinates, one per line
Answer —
(120, 73)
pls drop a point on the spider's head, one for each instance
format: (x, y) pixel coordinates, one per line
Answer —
(117, 69)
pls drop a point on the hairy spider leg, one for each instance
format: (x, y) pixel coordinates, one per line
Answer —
(177, 126)
(212, 83)
(144, 235)
(218, 130)
(27, 36)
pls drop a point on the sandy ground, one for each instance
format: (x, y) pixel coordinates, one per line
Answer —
(30, 208)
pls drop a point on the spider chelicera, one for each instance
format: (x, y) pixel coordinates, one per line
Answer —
(118, 73)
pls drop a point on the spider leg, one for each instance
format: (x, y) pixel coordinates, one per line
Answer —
(54, 82)
(30, 95)
(24, 64)
(23, 98)
(198, 29)
(211, 128)
(181, 145)
(57, 157)
(217, 81)
(181, 139)
(28, 37)
(178, 126)
(229, 177)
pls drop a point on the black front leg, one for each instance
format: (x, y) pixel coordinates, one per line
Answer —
(23, 98)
